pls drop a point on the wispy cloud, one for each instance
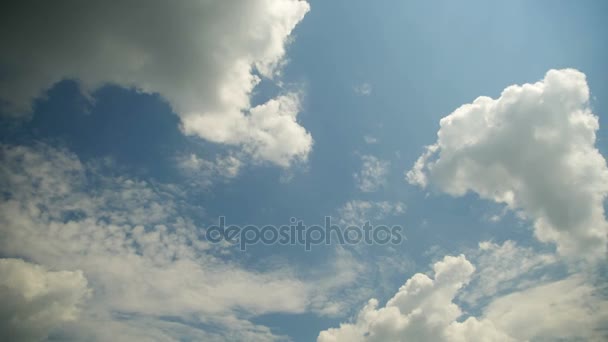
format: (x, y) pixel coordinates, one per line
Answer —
(363, 89)
(372, 175)
(141, 252)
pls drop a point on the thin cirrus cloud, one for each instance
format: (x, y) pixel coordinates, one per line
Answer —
(532, 149)
(204, 58)
(357, 212)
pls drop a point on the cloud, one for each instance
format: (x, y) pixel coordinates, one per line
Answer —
(342, 285)
(36, 300)
(425, 309)
(357, 212)
(134, 327)
(370, 140)
(363, 89)
(502, 267)
(372, 175)
(203, 172)
(422, 310)
(143, 256)
(532, 149)
(569, 309)
(204, 58)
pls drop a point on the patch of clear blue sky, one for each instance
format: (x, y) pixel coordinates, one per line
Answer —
(423, 59)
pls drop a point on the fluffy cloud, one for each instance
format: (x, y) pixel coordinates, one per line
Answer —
(372, 175)
(204, 58)
(422, 310)
(143, 256)
(532, 149)
(425, 309)
(36, 300)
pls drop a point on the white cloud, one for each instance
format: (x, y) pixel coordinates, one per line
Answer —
(35, 300)
(424, 309)
(276, 136)
(341, 286)
(372, 175)
(357, 212)
(363, 89)
(370, 140)
(570, 309)
(204, 58)
(203, 172)
(505, 266)
(126, 234)
(142, 254)
(532, 149)
(141, 328)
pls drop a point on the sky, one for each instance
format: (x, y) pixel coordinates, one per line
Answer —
(128, 134)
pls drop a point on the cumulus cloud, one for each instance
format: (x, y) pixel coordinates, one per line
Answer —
(426, 309)
(372, 175)
(204, 58)
(532, 149)
(36, 300)
(422, 310)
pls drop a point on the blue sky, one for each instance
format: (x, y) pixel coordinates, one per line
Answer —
(119, 126)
